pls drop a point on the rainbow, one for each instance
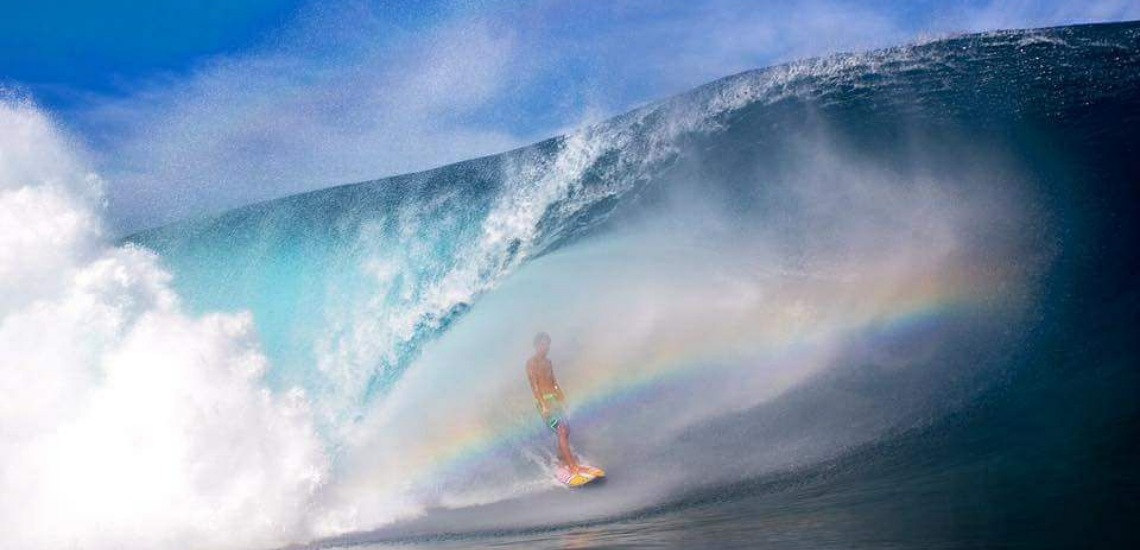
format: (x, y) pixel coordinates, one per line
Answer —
(773, 332)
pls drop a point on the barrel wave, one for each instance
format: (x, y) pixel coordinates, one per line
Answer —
(884, 296)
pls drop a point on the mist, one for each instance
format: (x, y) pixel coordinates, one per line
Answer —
(690, 320)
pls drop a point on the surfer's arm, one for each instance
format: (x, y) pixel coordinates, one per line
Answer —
(557, 388)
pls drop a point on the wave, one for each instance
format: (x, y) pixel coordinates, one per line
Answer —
(771, 273)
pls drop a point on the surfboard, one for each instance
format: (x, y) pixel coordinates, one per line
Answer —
(584, 476)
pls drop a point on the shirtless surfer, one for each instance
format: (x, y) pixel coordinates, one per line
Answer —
(550, 401)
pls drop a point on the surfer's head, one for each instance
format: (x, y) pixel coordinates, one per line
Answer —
(542, 343)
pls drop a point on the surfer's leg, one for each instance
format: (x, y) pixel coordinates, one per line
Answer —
(564, 447)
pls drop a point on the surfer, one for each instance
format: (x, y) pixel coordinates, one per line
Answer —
(549, 399)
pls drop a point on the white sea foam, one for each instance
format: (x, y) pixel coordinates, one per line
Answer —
(124, 422)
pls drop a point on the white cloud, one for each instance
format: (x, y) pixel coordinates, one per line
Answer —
(726, 37)
(1005, 14)
(286, 119)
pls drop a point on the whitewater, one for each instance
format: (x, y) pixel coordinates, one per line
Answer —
(779, 281)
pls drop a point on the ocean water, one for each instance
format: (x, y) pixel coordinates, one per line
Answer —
(873, 300)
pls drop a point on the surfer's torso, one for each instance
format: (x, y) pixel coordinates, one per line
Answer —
(541, 372)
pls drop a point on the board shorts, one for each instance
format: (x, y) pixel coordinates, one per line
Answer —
(556, 416)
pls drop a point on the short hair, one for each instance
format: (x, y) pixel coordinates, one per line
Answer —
(540, 337)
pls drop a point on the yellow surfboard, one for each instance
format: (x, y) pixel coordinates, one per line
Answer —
(583, 476)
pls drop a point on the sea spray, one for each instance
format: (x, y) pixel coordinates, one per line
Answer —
(126, 422)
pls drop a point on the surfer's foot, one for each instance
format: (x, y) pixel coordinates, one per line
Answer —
(587, 471)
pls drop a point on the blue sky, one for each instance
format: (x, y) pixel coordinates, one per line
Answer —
(88, 46)
(188, 107)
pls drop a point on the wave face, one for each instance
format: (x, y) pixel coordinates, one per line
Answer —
(786, 269)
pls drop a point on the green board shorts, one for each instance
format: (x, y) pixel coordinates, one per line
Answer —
(556, 416)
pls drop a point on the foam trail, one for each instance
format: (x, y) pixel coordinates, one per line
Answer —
(126, 423)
